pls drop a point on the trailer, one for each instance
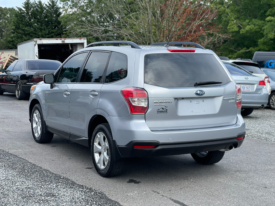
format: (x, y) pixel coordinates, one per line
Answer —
(50, 48)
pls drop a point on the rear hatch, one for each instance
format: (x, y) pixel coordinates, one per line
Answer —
(174, 100)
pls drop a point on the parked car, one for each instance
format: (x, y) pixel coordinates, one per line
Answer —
(254, 93)
(22, 74)
(271, 74)
(135, 102)
(253, 68)
(264, 59)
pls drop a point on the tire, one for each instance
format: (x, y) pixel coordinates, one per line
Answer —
(1, 91)
(208, 158)
(246, 112)
(19, 93)
(271, 101)
(107, 167)
(41, 134)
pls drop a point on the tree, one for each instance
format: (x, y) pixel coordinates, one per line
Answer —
(36, 20)
(6, 17)
(250, 23)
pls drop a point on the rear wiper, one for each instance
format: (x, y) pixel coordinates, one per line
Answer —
(206, 83)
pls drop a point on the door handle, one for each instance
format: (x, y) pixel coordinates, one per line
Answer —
(67, 93)
(93, 93)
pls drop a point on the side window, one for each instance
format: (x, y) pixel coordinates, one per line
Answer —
(19, 66)
(117, 68)
(69, 71)
(95, 67)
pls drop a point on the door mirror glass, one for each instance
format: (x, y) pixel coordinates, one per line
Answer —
(48, 78)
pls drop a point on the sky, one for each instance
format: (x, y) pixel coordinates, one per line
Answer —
(13, 3)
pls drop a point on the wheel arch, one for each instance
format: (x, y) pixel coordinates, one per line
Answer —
(94, 121)
(32, 104)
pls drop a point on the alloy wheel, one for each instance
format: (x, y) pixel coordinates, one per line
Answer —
(36, 124)
(272, 101)
(202, 154)
(101, 150)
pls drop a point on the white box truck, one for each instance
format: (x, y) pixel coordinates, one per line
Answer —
(50, 48)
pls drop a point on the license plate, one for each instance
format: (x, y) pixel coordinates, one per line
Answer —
(246, 88)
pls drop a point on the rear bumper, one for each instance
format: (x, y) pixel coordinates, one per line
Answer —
(255, 100)
(177, 148)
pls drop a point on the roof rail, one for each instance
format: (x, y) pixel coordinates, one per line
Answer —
(115, 43)
(178, 43)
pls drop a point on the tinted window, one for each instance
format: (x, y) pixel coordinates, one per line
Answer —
(71, 68)
(265, 60)
(10, 68)
(252, 69)
(19, 66)
(43, 65)
(182, 69)
(95, 67)
(117, 68)
(270, 73)
(235, 70)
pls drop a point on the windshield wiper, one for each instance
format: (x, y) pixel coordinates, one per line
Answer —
(206, 83)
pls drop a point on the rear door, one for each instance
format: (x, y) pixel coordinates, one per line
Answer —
(174, 100)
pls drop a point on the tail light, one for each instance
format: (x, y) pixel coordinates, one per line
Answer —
(262, 82)
(266, 79)
(136, 99)
(181, 50)
(36, 79)
(238, 97)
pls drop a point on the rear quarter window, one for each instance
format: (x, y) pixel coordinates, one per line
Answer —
(182, 69)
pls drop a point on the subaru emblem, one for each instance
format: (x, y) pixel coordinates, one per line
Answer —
(199, 93)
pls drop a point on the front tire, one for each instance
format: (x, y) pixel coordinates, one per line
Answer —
(19, 93)
(39, 129)
(208, 158)
(246, 112)
(271, 101)
(103, 152)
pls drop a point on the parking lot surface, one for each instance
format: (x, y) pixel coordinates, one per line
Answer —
(244, 177)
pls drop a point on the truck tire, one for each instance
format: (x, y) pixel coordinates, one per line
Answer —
(19, 93)
(208, 158)
(246, 112)
(103, 152)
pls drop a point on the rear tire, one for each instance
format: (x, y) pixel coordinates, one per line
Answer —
(1, 92)
(271, 101)
(246, 112)
(39, 129)
(103, 152)
(208, 158)
(19, 93)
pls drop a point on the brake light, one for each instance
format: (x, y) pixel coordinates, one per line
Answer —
(238, 97)
(136, 99)
(36, 79)
(144, 146)
(266, 79)
(181, 50)
(262, 83)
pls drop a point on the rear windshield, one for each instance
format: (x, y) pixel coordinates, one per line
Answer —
(265, 60)
(182, 69)
(252, 69)
(270, 74)
(236, 70)
(43, 65)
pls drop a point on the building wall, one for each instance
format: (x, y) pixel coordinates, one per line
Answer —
(5, 53)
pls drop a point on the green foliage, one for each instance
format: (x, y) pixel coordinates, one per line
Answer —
(36, 20)
(251, 25)
(6, 17)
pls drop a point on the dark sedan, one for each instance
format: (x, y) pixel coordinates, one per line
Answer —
(22, 74)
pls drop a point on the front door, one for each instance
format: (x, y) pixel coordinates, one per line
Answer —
(85, 96)
(58, 98)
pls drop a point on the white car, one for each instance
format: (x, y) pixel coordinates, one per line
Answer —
(253, 68)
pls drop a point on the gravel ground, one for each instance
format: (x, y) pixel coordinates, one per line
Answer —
(261, 125)
(23, 183)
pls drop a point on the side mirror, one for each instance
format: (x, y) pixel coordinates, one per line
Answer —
(49, 79)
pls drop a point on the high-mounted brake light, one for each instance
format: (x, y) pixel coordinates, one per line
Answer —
(181, 50)
(262, 83)
(136, 99)
(144, 146)
(238, 97)
(266, 79)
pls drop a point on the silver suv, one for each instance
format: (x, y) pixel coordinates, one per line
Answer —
(132, 101)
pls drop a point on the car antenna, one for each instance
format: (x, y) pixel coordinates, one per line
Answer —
(167, 45)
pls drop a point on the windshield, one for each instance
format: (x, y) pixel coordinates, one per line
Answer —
(270, 74)
(43, 65)
(236, 70)
(252, 69)
(183, 70)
